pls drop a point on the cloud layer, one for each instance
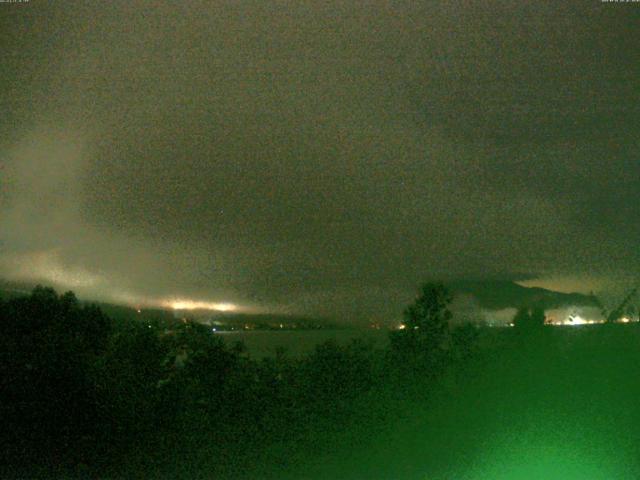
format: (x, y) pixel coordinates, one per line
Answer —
(321, 157)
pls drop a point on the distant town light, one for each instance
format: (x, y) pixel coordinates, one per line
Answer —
(577, 320)
(197, 305)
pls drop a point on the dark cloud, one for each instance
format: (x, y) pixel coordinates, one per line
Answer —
(322, 157)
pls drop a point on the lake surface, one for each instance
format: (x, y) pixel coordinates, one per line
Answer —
(263, 343)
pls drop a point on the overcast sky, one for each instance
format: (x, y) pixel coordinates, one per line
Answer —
(317, 157)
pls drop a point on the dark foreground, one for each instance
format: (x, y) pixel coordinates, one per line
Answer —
(83, 396)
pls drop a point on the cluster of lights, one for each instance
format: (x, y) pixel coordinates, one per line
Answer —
(578, 320)
(574, 320)
(196, 305)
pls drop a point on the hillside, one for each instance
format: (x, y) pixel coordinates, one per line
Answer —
(500, 294)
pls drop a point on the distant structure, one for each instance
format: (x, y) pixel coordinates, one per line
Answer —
(618, 313)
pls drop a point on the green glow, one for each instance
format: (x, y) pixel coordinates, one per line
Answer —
(545, 464)
(547, 458)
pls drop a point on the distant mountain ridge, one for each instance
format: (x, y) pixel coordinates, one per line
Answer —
(116, 311)
(489, 295)
(501, 294)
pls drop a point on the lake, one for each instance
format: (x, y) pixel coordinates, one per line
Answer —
(263, 343)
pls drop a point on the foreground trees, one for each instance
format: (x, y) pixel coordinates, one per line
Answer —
(49, 346)
(529, 319)
(83, 393)
(423, 343)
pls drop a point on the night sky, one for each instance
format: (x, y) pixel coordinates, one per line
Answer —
(317, 157)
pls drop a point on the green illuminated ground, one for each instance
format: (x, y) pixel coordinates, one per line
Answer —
(563, 406)
(86, 396)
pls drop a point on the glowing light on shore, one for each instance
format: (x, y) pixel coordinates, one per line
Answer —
(577, 320)
(197, 305)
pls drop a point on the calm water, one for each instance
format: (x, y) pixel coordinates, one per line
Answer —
(299, 342)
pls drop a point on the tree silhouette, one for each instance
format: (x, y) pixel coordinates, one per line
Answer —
(429, 315)
(50, 344)
(522, 318)
(424, 340)
(528, 319)
(537, 317)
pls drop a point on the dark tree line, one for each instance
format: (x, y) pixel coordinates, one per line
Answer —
(84, 394)
(529, 318)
